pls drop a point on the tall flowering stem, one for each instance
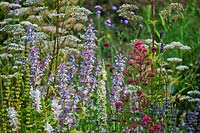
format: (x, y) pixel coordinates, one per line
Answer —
(153, 21)
(101, 101)
(117, 79)
(86, 78)
(66, 116)
(139, 65)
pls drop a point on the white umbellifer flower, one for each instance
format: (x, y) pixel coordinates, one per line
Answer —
(5, 55)
(26, 23)
(149, 41)
(12, 114)
(51, 15)
(184, 98)
(56, 108)
(4, 4)
(182, 67)
(41, 8)
(13, 5)
(48, 127)
(174, 59)
(193, 92)
(185, 48)
(194, 100)
(168, 46)
(80, 13)
(161, 70)
(176, 44)
(173, 45)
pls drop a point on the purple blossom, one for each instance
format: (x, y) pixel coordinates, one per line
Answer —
(132, 13)
(36, 68)
(140, 26)
(125, 21)
(47, 61)
(108, 23)
(30, 36)
(86, 77)
(114, 8)
(117, 79)
(98, 9)
(51, 78)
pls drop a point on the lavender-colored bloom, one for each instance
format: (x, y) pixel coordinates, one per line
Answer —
(47, 61)
(132, 13)
(117, 78)
(140, 26)
(87, 78)
(98, 12)
(98, 7)
(51, 78)
(73, 68)
(108, 22)
(30, 39)
(16, 1)
(124, 21)
(114, 8)
(36, 68)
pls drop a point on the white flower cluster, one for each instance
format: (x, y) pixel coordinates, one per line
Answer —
(194, 100)
(174, 59)
(54, 15)
(182, 67)
(21, 11)
(5, 56)
(13, 29)
(10, 76)
(175, 44)
(12, 114)
(33, 2)
(48, 127)
(14, 47)
(36, 96)
(193, 92)
(4, 4)
(101, 91)
(13, 5)
(41, 8)
(184, 98)
(80, 13)
(56, 108)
